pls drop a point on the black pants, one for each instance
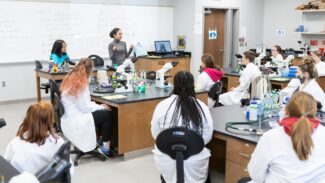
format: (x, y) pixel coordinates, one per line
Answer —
(103, 121)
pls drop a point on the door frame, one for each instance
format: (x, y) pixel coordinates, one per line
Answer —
(230, 38)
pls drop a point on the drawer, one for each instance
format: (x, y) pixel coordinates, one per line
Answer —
(235, 171)
(233, 81)
(239, 151)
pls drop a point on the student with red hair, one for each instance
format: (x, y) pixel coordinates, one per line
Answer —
(36, 141)
(81, 114)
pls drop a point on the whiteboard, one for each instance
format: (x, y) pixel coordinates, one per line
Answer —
(28, 29)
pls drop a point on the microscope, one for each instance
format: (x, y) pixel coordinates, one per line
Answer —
(161, 77)
(124, 73)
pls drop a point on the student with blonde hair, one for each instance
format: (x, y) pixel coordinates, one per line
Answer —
(295, 151)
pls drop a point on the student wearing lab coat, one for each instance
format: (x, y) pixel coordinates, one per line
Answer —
(250, 73)
(307, 73)
(183, 109)
(320, 65)
(293, 152)
(81, 115)
(211, 73)
(36, 141)
(276, 57)
(59, 52)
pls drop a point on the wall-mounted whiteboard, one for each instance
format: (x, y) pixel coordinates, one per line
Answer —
(28, 29)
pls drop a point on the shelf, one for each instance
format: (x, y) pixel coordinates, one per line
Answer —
(312, 11)
(311, 33)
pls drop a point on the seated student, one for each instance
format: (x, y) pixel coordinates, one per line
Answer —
(295, 151)
(183, 109)
(36, 141)
(210, 74)
(276, 56)
(81, 115)
(306, 82)
(320, 65)
(59, 52)
(250, 73)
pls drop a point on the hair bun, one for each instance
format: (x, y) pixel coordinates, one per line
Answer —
(309, 60)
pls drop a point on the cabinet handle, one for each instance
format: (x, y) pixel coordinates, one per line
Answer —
(245, 155)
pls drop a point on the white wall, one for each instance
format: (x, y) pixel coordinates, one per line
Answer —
(251, 17)
(20, 78)
(280, 13)
(183, 18)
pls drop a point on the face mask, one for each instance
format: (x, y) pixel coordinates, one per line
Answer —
(302, 79)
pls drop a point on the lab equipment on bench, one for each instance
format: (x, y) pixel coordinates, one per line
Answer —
(161, 81)
(124, 77)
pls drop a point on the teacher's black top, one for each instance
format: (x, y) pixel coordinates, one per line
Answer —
(120, 54)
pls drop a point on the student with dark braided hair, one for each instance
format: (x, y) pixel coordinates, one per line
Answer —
(183, 109)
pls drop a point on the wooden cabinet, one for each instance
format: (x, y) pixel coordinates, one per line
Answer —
(237, 159)
(233, 81)
(154, 64)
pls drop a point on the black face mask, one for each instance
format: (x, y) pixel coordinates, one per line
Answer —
(302, 79)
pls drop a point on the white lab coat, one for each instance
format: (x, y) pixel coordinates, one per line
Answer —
(320, 66)
(311, 88)
(250, 73)
(275, 161)
(77, 123)
(24, 177)
(204, 82)
(196, 167)
(278, 60)
(30, 157)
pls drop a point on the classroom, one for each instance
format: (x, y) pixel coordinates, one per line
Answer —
(162, 91)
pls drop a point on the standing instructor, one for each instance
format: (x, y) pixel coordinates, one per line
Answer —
(117, 49)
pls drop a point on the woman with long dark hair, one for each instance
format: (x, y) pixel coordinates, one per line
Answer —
(59, 52)
(183, 109)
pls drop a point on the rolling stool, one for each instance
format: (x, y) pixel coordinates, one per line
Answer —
(180, 144)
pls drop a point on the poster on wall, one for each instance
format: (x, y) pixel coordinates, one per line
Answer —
(212, 34)
(181, 43)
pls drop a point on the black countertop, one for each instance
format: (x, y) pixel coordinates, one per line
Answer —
(235, 113)
(152, 93)
(232, 72)
(65, 72)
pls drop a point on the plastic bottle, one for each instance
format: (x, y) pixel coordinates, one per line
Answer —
(253, 111)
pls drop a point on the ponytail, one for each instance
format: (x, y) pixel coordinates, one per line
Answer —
(301, 138)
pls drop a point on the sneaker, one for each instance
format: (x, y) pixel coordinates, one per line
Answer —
(105, 152)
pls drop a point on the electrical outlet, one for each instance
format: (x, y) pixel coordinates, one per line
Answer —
(3, 84)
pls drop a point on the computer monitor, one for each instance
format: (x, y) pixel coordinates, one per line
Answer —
(163, 47)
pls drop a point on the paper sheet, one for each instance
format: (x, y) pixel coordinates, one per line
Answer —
(114, 97)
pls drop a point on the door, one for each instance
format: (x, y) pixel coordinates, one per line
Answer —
(214, 20)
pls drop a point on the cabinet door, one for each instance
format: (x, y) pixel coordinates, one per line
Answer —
(235, 171)
(239, 151)
(233, 81)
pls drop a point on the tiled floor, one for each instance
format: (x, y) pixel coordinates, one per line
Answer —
(137, 170)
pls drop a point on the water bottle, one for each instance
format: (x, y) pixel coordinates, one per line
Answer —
(260, 111)
(253, 111)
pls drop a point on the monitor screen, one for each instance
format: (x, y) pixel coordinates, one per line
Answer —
(163, 47)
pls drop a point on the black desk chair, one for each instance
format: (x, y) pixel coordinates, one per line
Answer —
(58, 170)
(59, 111)
(54, 88)
(179, 143)
(98, 61)
(44, 86)
(215, 92)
